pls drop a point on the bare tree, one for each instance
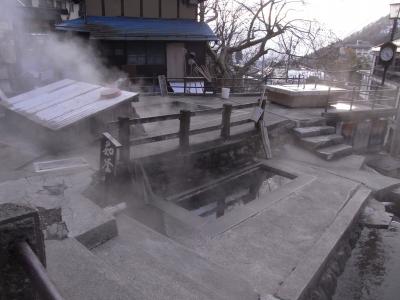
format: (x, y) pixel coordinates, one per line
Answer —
(252, 31)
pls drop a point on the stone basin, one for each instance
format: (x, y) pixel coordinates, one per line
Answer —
(308, 95)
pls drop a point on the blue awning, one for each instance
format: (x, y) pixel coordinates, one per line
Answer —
(125, 28)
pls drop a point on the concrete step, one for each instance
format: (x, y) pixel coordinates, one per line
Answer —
(78, 274)
(335, 151)
(304, 132)
(321, 141)
(312, 122)
(164, 269)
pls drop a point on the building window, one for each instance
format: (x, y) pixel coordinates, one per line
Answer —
(136, 54)
(146, 54)
(46, 3)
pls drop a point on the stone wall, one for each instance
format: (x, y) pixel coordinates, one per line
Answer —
(8, 59)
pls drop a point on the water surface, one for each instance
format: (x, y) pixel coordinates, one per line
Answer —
(373, 271)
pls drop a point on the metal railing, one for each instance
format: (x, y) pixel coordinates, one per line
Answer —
(37, 273)
(364, 98)
(193, 85)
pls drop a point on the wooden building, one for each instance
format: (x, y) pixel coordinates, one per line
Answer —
(145, 38)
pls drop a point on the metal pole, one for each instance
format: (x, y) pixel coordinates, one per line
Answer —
(395, 21)
(352, 98)
(37, 273)
(327, 100)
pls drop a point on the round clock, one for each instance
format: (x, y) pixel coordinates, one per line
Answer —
(387, 54)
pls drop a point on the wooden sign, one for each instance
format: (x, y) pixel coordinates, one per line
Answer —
(108, 155)
(257, 113)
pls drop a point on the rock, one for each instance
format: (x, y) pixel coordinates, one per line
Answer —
(375, 215)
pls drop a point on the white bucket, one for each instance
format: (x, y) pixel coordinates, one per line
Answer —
(225, 93)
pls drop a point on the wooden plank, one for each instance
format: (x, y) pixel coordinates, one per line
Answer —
(162, 81)
(210, 185)
(226, 121)
(184, 130)
(45, 101)
(46, 89)
(262, 129)
(153, 119)
(89, 110)
(124, 137)
(170, 136)
(71, 105)
(61, 107)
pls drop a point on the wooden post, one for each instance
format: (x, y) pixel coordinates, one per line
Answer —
(327, 100)
(374, 100)
(184, 130)
(298, 81)
(394, 147)
(262, 129)
(221, 205)
(262, 103)
(226, 121)
(124, 133)
(162, 82)
(184, 85)
(154, 83)
(353, 94)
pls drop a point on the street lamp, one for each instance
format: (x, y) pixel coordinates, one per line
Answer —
(388, 50)
(394, 15)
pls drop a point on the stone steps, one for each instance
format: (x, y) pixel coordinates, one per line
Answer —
(78, 274)
(322, 139)
(312, 122)
(334, 152)
(317, 142)
(304, 132)
(163, 269)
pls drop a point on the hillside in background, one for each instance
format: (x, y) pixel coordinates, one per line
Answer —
(376, 33)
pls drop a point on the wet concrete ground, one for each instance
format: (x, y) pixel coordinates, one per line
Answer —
(372, 272)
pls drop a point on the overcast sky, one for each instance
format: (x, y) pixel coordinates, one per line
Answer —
(347, 16)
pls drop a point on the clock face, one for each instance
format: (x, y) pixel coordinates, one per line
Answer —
(387, 54)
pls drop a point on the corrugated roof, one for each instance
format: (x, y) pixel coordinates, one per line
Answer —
(125, 28)
(63, 103)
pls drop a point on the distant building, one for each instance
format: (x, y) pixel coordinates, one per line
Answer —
(362, 49)
(145, 38)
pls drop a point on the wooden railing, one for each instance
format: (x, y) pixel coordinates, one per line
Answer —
(184, 117)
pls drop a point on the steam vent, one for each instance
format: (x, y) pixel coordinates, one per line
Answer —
(199, 150)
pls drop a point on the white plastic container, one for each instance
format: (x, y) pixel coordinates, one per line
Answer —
(225, 93)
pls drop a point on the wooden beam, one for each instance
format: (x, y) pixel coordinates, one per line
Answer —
(263, 131)
(194, 113)
(184, 130)
(124, 138)
(226, 121)
(170, 136)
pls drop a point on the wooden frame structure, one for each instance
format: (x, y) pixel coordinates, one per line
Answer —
(184, 133)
